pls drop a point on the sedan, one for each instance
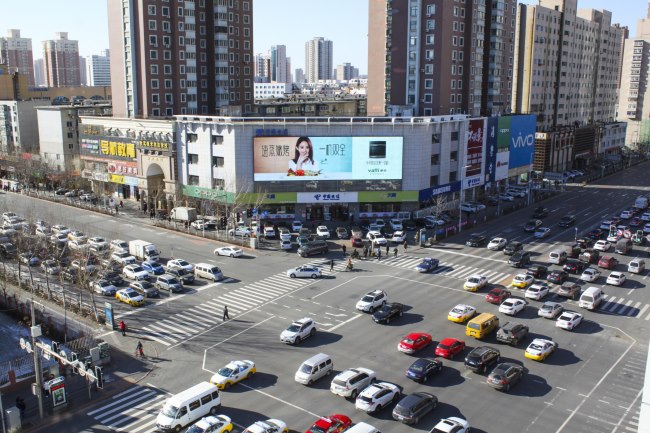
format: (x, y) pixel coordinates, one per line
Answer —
(505, 375)
(103, 287)
(342, 233)
(29, 259)
(123, 258)
(451, 425)
(522, 281)
(98, 241)
(574, 266)
(475, 282)
(569, 320)
(376, 238)
(229, 251)
(153, 268)
(532, 225)
(388, 312)
(50, 267)
(428, 264)
(335, 423)
(130, 296)
(180, 263)
(540, 349)
(512, 306)
(537, 271)
(212, 424)
(602, 245)
(304, 272)
(296, 226)
(596, 234)
(497, 244)
(145, 288)
(323, 232)
(496, 296)
(505, 197)
(537, 291)
(550, 310)
(411, 408)
(77, 235)
(60, 229)
(232, 373)
(449, 347)
(377, 396)
(616, 278)
(423, 368)
(542, 232)
(414, 342)
(558, 276)
(268, 426)
(135, 272)
(398, 237)
(461, 313)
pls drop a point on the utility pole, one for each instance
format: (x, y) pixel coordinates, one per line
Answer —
(38, 371)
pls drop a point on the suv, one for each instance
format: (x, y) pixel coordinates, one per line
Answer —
(480, 358)
(372, 301)
(184, 275)
(569, 289)
(519, 259)
(512, 248)
(298, 331)
(169, 282)
(540, 212)
(476, 240)
(512, 333)
(567, 221)
(313, 247)
(351, 382)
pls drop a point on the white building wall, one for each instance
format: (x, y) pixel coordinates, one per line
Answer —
(54, 144)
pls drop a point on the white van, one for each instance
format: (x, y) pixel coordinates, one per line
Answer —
(189, 406)
(206, 270)
(557, 257)
(591, 298)
(362, 427)
(636, 266)
(314, 368)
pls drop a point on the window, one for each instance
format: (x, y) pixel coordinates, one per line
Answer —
(168, 84)
(428, 83)
(433, 181)
(191, 137)
(218, 161)
(153, 54)
(152, 24)
(165, 11)
(454, 137)
(435, 138)
(167, 55)
(70, 135)
(154, 84)
(155, 98)
(168, 69)
(206, 399)
(152, 10)
(452, 176)
(216, 139)
(193, 180)
(154, 69)
(153, 40)
(435, 159)
(192, 158)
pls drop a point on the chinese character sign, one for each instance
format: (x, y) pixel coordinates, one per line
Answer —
(475, 147)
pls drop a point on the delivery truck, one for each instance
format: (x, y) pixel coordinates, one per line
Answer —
(184, 214)
(143, 250)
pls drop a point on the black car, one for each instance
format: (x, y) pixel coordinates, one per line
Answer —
(476, 240)
(422, 369)
(532, 225)
(409, 225)
(421, 222)
(567, 221)
(505, 375)
(537, 271)
(574, 266)
(388, 312)
(492, 200)
(114, 277)
(584, 243)
(519, 259)
(512, 247)
(187, 277)
(60, 191)
(411, 408)
(482, 357)
(313, 247)
(589, 256)
(512, 333)
(540, 212)
(596, 234)
(558, 276)
(8, 249)
(573, 252)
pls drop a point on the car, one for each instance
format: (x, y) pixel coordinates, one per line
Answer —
(296, 226)
(427, 264)
(180, 263)
(232, 373)
(169, 282)
(286, 244)
(77, 235)
(398, 237)
(461, 313)
(130, 296)
(145, 288)
(240, 231)
(413, 407)
(89, 265)
(497, 295)
(497, 244)
(476, 240)
(550, 310)
(596, 234)
(103, 287)
(380, 223)
(377, 396)
(414, 342)
(204, 224)
(396, 224)
(98, 241)
(532, 225)
(616, 278)
(567, 221)
(323, 231)
(505, 375)
(540, 212)
(303, 240)
(78, 244)
(540, 348)
(646, 229)
(388, 312)
(512, 306)
(626, 214)
(512, 333)
(519, 259)
(451, 425)
(135, 272)
(475, 282)
(480, 358)
(513, 247)
(423, 368)
(569, 289)
(7, 249)
(153, 268)
(409, 225)
(342, 233)
(569, 320)
(449, 347)
(574, 266)
(636, 222)
(50, 267)
(377, 238)
(335, 423)
(29, 259)
(602, 245)
(185, 276)
(114, 277)
(537, 291)
(558, 276)
(542, 232)
(371, 301)
(645, 216)
(212, 424)
(269, 426)
(522, 281)
(123, 257)
(305, 271)
(607, 262)
(60, 229)
(349, 383)
(6, 216)
(229, 251)
(537, 271)
(505, 197)
(589, 255)
(298, 331)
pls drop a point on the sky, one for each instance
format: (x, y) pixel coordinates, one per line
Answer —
(276, 22)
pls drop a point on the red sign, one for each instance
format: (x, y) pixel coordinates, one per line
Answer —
(475, 147)
(123, 168)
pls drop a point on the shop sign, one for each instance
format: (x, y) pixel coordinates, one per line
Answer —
(86, 174)
(434, 191)
(107, 147)
(376, 214)
(102, 177)
(132, 181)
(327, 197)
(117, 178)
(117, 167)
(150, 144)
(279, 216)
(208, 193)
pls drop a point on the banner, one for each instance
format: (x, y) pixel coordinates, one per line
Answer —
(491, 149)
(503, 135)
(502, 165)
(434, 191)
(475, 147)
(522, 140)
(327, 197)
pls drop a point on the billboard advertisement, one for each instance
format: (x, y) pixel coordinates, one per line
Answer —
(491, 149)
(502, 165)
(522, 140)
(475, 147)
(326, 158)
(503, 136)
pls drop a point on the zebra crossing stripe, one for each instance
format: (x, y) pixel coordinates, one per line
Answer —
(193, 320)
(274, 290)
(174, 328)
(110, 415)
(151, 334)
(635, 308)
(252, 295)
(128, 428)
(205, 310)
(616, 304)
(643, 310)
(136, 390)
(130, 416)
(621, 311)
(609, 301)
(227, 298)
(161, 334)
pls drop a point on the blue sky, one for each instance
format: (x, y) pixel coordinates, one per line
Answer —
(277, 22)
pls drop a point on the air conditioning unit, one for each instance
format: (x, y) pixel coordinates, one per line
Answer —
(166, 45)
(429, 15)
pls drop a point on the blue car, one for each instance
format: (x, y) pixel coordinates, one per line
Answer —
(428, 264)
(153, 268)
(422, 369)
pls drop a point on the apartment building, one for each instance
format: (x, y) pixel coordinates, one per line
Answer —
(61, 61)
(319, 60)
(16, 54)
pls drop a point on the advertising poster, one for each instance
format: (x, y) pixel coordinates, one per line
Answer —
(522, 140)
(503, 136)
(327, 158)
(502, 165)
(475, 147)
(491, 149)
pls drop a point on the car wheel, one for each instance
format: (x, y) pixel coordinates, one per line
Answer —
(249, 375)
(354, 394)
(400, 314)
(293, 275)
(425, 378)
(213, 410)
(312, 332)
(507, 387)
(313, 276)
(177, 429)
(416, 420)
(309, 382)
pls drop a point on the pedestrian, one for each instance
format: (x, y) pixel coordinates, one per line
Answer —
(387, 249)
(395, 252)
(378, 254)
(225, 313)
(144, 208)
(365, 252)
(152, 214)
(344, 249)
(20, 404)
(139, 350)
(123, 328)
(121, 204)
(405, 246)
(331, 265)
(116, 208)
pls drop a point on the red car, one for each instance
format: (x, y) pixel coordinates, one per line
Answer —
(414, 342)
(497, 296)
(448, 347)
(356, 242)
(607, 262)
(332, 424)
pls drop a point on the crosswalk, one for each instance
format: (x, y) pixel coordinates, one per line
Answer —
(619, 306)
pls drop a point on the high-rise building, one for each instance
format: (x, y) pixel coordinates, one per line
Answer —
(98, 70)
(39, 73)
(279, 71)
(61, 61)
(299, 76)
(319, 59)
(190, 58)
(83, 73)
(16, 54)
(346, 72)
(262, 68)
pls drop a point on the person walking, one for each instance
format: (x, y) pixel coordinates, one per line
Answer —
(20, 404)
(331, 265)
(123, 328)
(344, 249)
(139, 350)
(121, 204)
(116, 208)
(395, 252)
(405, 245)
(387, 249)
(378, 254)
(225, 313)
(365, 252)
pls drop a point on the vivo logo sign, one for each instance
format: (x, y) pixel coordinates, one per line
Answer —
(523, 141)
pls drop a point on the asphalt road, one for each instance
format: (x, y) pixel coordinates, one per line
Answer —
(591, 384)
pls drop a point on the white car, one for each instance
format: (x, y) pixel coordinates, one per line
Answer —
(78, 244)
(298, 331)
(323, 231)
(645, 216)
(626, 215)
(123, 257)
(285, 244)
(6, 216)
(77, 235)
(616, 278)
(568, 320)
(497, 244)
(59, 238)
(542, 232)
(98, 241)
(285, 234)
(377, 238)
(540, 349)
(103, 287)
(451, 425)
(602, 245)
(296, 226)
(613, 237)
(461, 313)
(268, 426)
(380, 223)
(398, 237)
(537, 291)
(229, 251)
(43, 231)
(372, 301)
(512, 306)
(590, 275)
(118, 245)
(59, 228)
(469, 208)
(212, 424)
(135, 272)
(349, 383)
(646, 228)
(435, 221)
(304, 272)
(506, 197)
(180, 263)
(377, 396)
(550, 310)
(605, 225)
(396, 224)
(475, 282)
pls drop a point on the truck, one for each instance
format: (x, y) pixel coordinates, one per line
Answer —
(641, 202)
(143, 250)
(184, 214)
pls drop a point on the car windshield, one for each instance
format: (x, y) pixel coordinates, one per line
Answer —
(508, 303)
(367, 298)
(169, 410)
(408, 341)
(305, 368)
(473, 280)
(317, 429)
(365, 398)
(182, 263)
(225, 372)
(146, 285)
(443, 346)
(132, 294)
(547, 307)
(195, 429)
(458, 310)
(137, 269)
(293, 328)
(566, 317)
(534, 346)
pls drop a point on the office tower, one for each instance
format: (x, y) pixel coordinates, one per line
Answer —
(61, 61)
(185, 58)
(39, 73)
(98, 70)
(279, 72)
(346, 72)
(299, 76)
(83, 74)
(319, 59)
(262, 68)
(16, 54)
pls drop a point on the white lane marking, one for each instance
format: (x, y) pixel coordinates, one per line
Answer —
(343, 323)
(643, 310)
(633, 309)
(622, 310)
(136, 390)
(280, 400)
(473, 256)
(615, 305)
(254, 325)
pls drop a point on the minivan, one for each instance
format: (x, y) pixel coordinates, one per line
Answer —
(557, 257)
(623, 246)
(636, 266)
(189, 406)
(206, 270)
(591, 298)
(362, 427)
(481, 325)
(314, 368)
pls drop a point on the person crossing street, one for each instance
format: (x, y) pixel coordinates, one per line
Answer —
(225, 313)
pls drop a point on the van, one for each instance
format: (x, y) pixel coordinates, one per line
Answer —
(591, 298)
(623, 246)
(206, 270)
(314, 368)
(189, 406)
(557, 257)
(636, 266)
(362, 427)
(481, 325)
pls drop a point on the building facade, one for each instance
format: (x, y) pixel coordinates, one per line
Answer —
(297, 105)
(18, 127)
(262, 68)
(272, 90)
(280, 65)
(346, 72)
(16, 54)
(319, 60)
(39, 73)
(98, 70)
(61, 61)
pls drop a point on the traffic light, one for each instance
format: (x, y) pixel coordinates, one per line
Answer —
(99, 374)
